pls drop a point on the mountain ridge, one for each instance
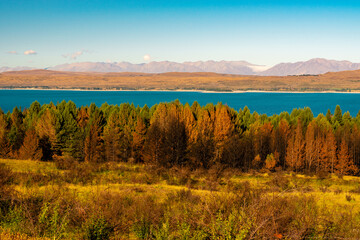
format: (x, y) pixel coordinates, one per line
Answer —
(312, 66)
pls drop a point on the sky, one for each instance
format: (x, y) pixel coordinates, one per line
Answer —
(45, 33)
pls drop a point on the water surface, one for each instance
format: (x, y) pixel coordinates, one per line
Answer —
(268, 103)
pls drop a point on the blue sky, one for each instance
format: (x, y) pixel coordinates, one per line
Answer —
(43, 33)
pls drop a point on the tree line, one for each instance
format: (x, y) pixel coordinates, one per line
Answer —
(173, 134)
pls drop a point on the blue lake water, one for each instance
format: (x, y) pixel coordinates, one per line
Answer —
(269, 103)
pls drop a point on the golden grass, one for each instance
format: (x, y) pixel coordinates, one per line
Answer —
(29, 165)
(339, 81)
(7, 235)
(331, 192)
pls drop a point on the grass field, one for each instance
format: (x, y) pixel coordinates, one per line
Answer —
(45, 79)
(134, 201)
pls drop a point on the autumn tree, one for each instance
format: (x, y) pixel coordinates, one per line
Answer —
(295, 149)
(94, 151)
(139, 139)
(30, 148)
(271, 161)
(223, 130)
(112, 138)
(153, 152)
(312, 147)
(344, 164)
(280, 137)
(202, 151)
(4, 143)
(46, 129)
(262, 139)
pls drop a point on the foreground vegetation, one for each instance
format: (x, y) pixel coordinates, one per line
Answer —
(136, 201)
(177, 171)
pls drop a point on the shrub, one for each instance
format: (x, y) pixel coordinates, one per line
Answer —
(64, 162)
(322, 174)
(80, 173)
(280, 181)
(142, 229)
(98, 228)
(53, 222)
(6, 178)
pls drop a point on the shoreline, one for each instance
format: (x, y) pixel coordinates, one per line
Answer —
(176, 90)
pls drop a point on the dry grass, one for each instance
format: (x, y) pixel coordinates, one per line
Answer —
(134, 201)
(339, 81)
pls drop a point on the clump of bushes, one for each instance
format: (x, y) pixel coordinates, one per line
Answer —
(6, 178)
(98, 228)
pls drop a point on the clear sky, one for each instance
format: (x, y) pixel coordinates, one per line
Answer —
(43, 33)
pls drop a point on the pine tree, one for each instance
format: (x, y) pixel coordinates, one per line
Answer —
(337, 118)
(328, 115)
(4, 143)
(17, 131)
(94, 151)
(68, 138)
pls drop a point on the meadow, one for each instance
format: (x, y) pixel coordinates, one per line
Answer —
(123, 200)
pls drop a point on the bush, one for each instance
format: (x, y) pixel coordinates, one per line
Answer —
(53, 221)
(64, 162)
(80, 173)
(6, 178)
(98, 228)
(322, 175)
(280, 181)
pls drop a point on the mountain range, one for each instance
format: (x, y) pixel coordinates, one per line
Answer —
(312, 67)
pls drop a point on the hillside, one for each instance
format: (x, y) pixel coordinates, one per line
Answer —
(46, 79)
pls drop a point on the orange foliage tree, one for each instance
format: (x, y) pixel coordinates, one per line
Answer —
(344, 165)
(295, 150)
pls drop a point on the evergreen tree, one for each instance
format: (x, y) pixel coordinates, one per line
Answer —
(94, 147)
(337, 118)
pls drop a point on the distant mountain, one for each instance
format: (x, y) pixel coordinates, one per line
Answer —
(226, 67)
(8, 69)
(313, 66)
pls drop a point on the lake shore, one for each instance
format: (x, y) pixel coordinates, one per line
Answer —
(176, 90)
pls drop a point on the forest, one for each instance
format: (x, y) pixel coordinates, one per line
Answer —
(173, 134)
(175, 171)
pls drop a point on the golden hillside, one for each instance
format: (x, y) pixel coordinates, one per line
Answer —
(339, 81)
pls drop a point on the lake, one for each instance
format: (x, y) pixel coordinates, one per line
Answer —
(268, 103)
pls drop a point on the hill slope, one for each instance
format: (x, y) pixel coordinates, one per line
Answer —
(339, 81)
